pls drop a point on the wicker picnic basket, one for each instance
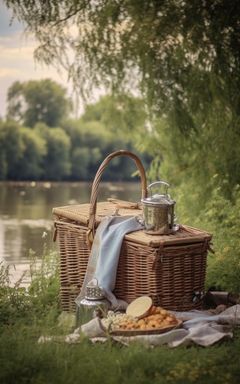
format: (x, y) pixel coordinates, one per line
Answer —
(169, 268)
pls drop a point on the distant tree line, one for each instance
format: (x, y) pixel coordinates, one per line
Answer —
(38, 141)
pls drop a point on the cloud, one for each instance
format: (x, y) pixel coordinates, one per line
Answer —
(17, 63)
(18, 44)
(9, 72)
(15, 40)
(17, 58)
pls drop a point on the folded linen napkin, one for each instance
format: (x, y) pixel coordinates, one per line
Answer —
(104, 257)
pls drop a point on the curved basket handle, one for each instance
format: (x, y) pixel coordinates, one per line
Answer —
(96, 182)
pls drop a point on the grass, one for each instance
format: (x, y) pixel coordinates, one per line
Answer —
(23, 360)
(25, 315)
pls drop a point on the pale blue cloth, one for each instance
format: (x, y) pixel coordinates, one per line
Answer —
(106, 250)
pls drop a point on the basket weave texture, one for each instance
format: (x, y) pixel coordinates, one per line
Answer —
(169, 268)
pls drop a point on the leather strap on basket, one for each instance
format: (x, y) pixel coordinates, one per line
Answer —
(96, 182)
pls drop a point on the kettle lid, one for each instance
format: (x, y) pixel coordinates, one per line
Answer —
(158, 199)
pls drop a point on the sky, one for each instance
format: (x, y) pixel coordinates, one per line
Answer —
(16, 58)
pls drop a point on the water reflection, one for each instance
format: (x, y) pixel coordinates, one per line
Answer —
(26, 214)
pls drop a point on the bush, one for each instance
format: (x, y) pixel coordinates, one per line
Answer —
(34, 303)
(219, 215)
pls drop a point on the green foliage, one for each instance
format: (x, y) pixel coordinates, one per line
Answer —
(221, 216)
(119, 113)
(113, 123)
(36, 303)
(203, 170)
(12, 147)
(34, 149)
(91, 142)
(218, 215)
(56, 162)
(3, 161)
(37, 101)
(15, 101)
(183, 55)
(23, 151)
(44, 287)
(14, 303)
(74, 150)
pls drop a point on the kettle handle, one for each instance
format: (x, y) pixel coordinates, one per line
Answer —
(157, 183)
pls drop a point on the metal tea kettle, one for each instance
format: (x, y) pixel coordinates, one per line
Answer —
(158, 211)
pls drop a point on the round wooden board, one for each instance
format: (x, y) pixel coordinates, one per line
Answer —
(155, 331)
(139, 307)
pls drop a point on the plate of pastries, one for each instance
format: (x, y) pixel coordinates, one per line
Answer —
(142, 317)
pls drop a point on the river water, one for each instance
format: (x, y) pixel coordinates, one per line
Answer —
(26, 223)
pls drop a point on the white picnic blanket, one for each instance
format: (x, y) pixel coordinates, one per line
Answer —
(199, 327)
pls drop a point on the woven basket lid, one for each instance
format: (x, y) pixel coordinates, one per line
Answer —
(79, 215)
